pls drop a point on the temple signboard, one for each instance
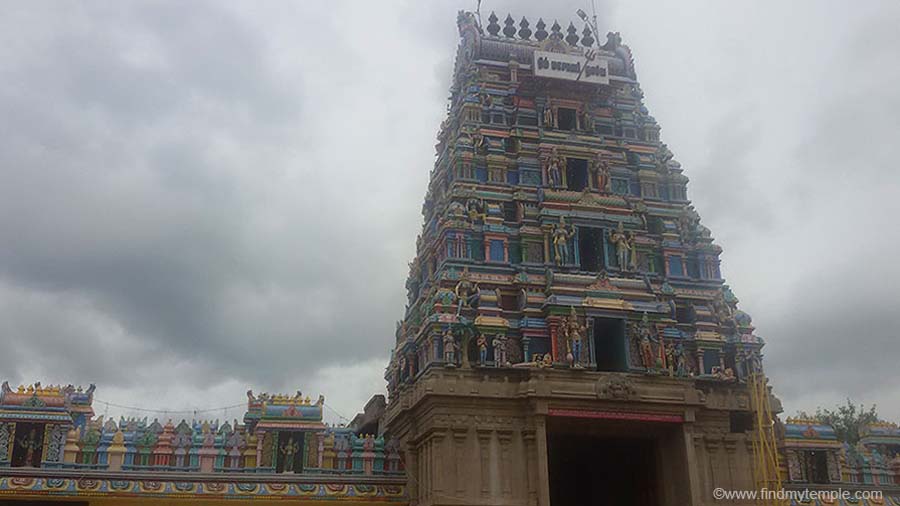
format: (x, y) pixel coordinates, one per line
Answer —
(571, 67)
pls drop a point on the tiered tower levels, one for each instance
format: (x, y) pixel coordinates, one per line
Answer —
(554, 197)
(563, 286)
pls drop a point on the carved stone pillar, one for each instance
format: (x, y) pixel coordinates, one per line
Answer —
(260, 437)
(320, 444)
(504, 439)
(529, 441)
(6, 443)
(412, 472)
(484, 454)
(543, 471)
(547, 257)
(513, 70)
(71, 448)
(690, 445)
(834, 466)
(439, 458)
(459, 459)
(553, 324)
(116, 451)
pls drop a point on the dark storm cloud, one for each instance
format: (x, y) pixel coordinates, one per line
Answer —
(198, 198)
(840, 337)
(157, 217)
(798, 182)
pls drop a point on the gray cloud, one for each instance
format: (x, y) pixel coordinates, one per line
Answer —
(198, 198)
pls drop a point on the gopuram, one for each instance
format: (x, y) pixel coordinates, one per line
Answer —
(568, 340)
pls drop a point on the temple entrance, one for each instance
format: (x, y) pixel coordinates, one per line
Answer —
(28, 445)
(615, 463)
(602, 471)
(610, 344)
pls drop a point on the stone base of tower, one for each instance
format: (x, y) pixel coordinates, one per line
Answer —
(562, 437)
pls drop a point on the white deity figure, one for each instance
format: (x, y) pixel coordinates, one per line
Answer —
(499, 343)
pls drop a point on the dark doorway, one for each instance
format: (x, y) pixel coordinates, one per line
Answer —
(609, 344)
(566, 118)
(590, 248)
(290, 452)
(28, 445)
(576, 174)
(600, 470)
(817, 462)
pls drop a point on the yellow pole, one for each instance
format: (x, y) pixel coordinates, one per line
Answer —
(766, 469)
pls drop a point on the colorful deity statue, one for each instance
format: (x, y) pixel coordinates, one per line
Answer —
(724, 314)
(645, 344)
(670, 359)
(475, 210)
(741, 357)
(499, 343)
(587, 123)
(624, 248)
(680, 361)
(555, 164)
(30, 444)
(688, 223)
(640, 209)
(403, 369)
(465, 291)
(449, 347)
(456, 210)
(561, 236)
(548, 117)
(289, 450)
(723, 373)
(482, 349)
(752, 362)
(479, 143)
(600, 170)
(574, 334)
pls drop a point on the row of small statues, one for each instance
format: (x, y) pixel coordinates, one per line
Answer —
(499, 343)
(585, 121)
(474, 210)
(296, 399)
(599, 171)
(38, 389)
(562, 234)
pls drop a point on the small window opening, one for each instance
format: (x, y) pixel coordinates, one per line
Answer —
(576, 174)
(566, 118)
(510, 212)
(740, 422)
(590, 249)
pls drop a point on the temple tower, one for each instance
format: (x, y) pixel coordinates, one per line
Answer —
(568, 338)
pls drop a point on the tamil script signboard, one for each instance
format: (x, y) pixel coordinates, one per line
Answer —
(571, 67)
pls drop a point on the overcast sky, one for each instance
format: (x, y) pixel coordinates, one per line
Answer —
(198, 198)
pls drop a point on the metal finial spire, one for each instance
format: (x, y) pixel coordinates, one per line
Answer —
(493, 28)
(509, 29)
(556, 31)
(540, 34)
(524, 31)
(572, 37)
(587, 38)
